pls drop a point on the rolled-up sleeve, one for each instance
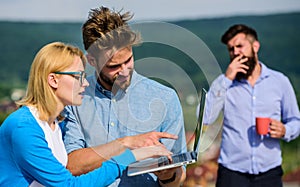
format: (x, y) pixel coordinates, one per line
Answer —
(72, 135)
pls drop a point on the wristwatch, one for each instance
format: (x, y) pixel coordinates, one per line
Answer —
(166, 181)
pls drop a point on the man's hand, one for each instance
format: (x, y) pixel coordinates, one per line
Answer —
(168, 174)
(277, 129)
(143, 140)
(87, 159)
(237, 65)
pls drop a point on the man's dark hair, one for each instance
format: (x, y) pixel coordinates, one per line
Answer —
(236, 29)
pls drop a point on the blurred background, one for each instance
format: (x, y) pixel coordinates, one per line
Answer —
(184, 40)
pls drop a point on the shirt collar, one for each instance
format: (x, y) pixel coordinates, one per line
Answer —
(265, 71)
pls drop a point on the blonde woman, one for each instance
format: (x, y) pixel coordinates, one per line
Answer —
(32, 152)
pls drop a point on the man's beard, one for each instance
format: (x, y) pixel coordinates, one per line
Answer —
(114, 84)
(251, 62)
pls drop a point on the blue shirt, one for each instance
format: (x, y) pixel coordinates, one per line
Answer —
(25, 157)
(145, 106)
(242, 149)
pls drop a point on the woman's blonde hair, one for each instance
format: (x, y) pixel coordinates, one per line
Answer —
(53, 57)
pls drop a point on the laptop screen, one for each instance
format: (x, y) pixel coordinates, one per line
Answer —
(156, 164)
(199, 126)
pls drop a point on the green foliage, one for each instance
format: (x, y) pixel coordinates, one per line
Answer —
(291, 155)
(21, 40)
(3, 115)
(279, 44)
(5, 90)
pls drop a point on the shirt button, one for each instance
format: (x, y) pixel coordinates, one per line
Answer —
(112, 124)
(113, 100)
(253, 97)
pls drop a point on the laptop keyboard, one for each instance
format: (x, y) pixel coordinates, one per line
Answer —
(179, 158)
(175, 159)
(162, 161)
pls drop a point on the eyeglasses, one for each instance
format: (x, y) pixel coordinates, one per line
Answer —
(81, 77)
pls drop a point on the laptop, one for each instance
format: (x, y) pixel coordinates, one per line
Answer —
(156, 164)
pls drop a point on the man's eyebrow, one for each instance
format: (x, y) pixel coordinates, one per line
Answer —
(126, 61)
(129, 59)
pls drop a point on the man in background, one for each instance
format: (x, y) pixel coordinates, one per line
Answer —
(247, 90)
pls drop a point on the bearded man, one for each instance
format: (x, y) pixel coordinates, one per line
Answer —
(247, 90)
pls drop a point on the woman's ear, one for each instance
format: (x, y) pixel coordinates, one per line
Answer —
(52, 80)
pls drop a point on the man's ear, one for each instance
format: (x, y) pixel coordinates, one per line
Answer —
(91, 60)
(52, 80)
(256, 46)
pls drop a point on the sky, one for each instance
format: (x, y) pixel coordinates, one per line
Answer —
(151, 10)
